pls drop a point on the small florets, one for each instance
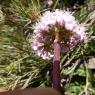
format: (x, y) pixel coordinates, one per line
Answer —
(71, 32)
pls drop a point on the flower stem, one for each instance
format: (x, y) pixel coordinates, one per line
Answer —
(56, 64)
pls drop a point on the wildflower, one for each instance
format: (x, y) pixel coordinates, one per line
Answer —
(48, 2)
(70, 32)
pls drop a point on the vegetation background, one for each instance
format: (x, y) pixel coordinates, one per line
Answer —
(21, 68)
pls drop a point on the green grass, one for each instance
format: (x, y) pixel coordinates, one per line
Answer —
(21, 68)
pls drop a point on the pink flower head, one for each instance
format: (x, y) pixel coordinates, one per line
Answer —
(71, 32)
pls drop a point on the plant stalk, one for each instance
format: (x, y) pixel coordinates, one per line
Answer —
(56, 64)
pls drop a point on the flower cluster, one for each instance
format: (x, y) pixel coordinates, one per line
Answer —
(71, 32)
